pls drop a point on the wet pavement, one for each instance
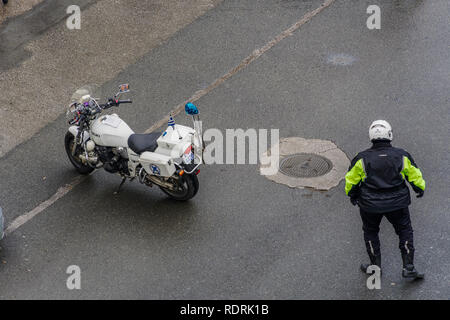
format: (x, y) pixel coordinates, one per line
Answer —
(243, 236)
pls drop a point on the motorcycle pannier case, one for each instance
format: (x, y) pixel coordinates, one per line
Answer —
(157, 164)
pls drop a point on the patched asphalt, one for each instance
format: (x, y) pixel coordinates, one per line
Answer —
(44, 61)
(244, 236)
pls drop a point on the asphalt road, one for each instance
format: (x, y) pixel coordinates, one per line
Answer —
(42, 61)
(243, 236)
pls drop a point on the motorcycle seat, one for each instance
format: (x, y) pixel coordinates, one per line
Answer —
(140, 143)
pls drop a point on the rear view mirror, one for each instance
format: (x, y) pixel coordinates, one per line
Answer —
(123, 88)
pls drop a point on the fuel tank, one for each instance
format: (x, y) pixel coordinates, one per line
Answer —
(110, 131)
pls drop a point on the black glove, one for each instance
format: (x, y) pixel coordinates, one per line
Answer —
(420, 194)
(354, 201)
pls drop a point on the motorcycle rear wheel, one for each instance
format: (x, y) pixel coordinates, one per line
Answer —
(187, 191)
(79, 166)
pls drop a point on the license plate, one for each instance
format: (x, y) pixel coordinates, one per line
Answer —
(188, 157)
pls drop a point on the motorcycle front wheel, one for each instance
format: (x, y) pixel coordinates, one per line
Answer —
(69, 140)
(187, 190)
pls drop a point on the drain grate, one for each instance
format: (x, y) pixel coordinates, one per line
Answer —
(305, 165)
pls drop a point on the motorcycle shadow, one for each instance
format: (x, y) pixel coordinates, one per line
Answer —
(138, 202)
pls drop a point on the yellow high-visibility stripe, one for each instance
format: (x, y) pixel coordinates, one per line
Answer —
(413, 174)
(354, 176)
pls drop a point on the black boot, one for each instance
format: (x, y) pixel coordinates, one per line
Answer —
(409, 271)
(374, 260)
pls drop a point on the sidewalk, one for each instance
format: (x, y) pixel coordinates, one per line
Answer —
(113, 35)
(16, 7)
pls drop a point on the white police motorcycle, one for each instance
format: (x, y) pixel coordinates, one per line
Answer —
(170, 159)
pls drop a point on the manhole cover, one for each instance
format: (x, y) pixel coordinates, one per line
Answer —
(305, 165)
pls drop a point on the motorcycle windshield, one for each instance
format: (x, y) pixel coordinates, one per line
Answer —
(75, 99)
(88, 89)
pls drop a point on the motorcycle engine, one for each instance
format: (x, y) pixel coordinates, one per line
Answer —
(112, 159)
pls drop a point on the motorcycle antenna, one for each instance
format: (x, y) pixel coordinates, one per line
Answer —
(171, 123)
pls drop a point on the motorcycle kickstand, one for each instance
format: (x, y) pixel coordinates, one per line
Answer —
(120, 186)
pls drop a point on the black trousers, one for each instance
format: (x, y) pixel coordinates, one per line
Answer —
(401, 222)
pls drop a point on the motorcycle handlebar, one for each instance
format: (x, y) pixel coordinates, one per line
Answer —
(112, 103)
(125, 101)
(87, 111)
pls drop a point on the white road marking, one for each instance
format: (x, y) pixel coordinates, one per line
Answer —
(244, 63)
(61, 192)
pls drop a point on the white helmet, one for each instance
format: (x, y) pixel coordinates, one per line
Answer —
(380, 129)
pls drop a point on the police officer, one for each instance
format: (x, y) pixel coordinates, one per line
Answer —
(376, 182)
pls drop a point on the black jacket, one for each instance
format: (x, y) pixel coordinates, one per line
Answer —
(376, 178)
